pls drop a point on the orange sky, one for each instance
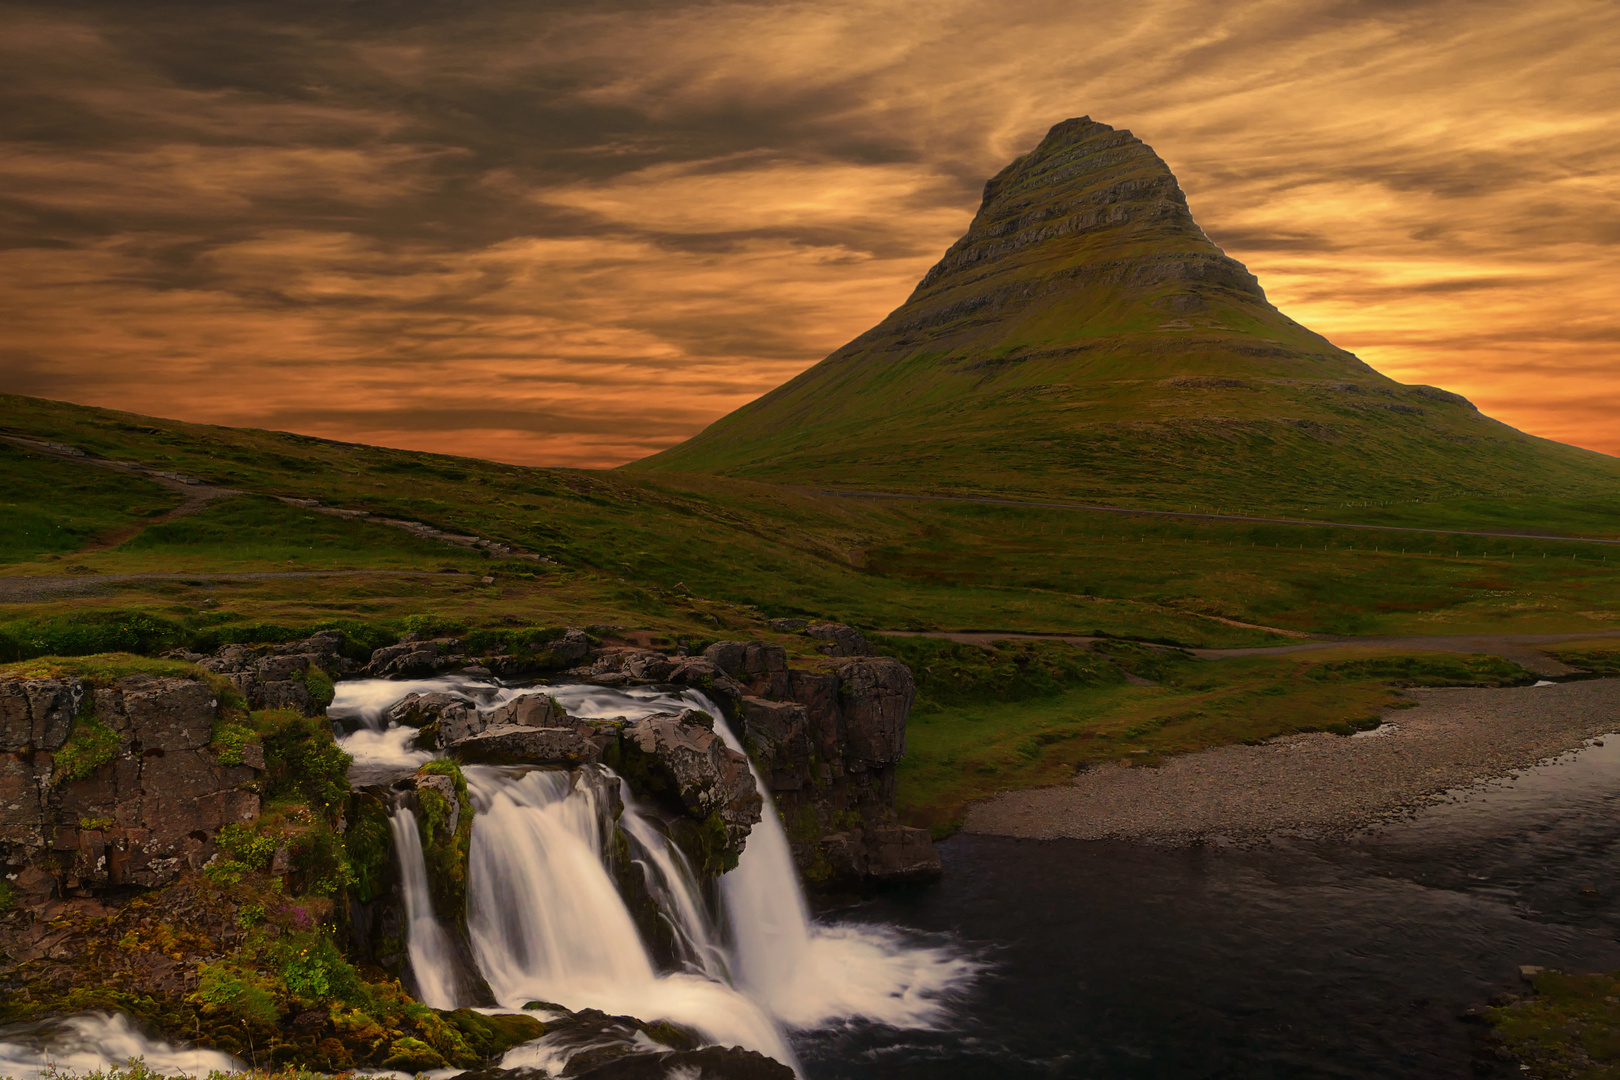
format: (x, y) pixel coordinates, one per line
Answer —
(576, 235)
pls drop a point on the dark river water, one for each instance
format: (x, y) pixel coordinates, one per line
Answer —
(1353, 959)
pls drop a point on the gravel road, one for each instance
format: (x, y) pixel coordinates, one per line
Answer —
(1318, 784)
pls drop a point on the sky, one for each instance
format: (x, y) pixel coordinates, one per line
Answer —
(576, 233)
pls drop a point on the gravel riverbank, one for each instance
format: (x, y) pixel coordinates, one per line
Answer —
(1318, 784)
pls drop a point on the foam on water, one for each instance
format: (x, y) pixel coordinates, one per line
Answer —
(92, 1042)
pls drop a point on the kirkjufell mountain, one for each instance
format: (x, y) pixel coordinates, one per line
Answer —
(1085, 339)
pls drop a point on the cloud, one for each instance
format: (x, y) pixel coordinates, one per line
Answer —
(575, 233)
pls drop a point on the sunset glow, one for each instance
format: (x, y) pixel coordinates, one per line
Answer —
(576, 235)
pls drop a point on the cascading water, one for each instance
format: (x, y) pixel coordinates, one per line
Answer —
(432, 957)
(547, 923)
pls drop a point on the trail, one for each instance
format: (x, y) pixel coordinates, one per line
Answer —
(1520, 648)
(31, 589)
(1214, 517)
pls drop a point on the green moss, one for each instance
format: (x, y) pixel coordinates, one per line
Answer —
(302, 762)
(90, 746)
(230, 742)
(413, 1056)
(240, 993)
(369, 845)
(8, 895)
(96, 824)
(1570, 1027)
(1429, 669)
(445, 853)
(319, 684)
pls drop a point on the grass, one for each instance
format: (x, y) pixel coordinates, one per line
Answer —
(49, 506)
(625, 541)
(1599, 657)
(973, 733)
(1570, 1027)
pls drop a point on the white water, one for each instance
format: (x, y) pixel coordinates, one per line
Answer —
(547, 923)
(432, 958)
(93, 1042)
(673, 886)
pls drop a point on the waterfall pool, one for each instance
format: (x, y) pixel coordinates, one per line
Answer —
(1355, 959)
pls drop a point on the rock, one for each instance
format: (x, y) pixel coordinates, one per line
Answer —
(445, 787)
(157, 805)
(777, 734)
(683, 760)
(876, 696)
(897, 852)
(443, 718)
(405, 659)
(530, 710)
(760, 666)
(840, 640)
(515, 744)
(569, 649)
(37, 714)
(789, 626)
(1528, 972)
(285, 694)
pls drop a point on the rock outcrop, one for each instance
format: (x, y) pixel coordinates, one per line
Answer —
(680, 757)
(297, 675)
(115, 783)
(825, 739)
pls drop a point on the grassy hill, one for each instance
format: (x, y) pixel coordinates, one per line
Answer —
(1086, 340)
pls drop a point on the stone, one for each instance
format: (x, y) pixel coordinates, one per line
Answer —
(689, 762)
(840, 640)
(167, 713)
(777, 733)
(876, 695)
(514, 744)
(571, 648)
(789, 626)
(445, 788)
(406, 658)
(443, 718)
(759, 665)
(286, 694)
(530, 710)
(898, 852)
(37, 713)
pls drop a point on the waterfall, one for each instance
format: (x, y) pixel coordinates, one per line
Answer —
(432, 957)
(548, 924)
(807, 974)
(674, 888)
(546, 921)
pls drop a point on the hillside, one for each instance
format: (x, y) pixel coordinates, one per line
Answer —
(1085, 339)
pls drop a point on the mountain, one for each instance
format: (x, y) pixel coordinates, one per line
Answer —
(1085, 339)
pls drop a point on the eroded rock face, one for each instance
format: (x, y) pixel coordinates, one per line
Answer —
(519, 744)
(280, 676)
(679, 756)
(442, 718)
(152, 809)
(840, 640)
(827, 742)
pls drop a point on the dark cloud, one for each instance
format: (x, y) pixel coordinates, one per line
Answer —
(622, 219)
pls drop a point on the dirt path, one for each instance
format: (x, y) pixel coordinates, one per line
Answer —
(30, 590)
(1188, 514)
(1318, 784)
(1520, 648)
(198, 494)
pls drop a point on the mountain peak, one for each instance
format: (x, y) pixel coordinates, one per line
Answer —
(1085, 338)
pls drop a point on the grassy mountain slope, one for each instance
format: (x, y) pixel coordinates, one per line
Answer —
(1085, 339)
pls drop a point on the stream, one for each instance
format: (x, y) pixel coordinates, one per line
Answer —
(1029, 959)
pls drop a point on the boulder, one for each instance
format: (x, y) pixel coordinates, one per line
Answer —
(408, 658)
(840, 640)
(517, 744)
(443, 718)
(530, 710)
(679, 758)
(789, 626)
(777, 734)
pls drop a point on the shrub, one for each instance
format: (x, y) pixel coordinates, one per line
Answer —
(89, 632)
(91, 745)
(302, 762)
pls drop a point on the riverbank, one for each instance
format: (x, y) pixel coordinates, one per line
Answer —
(1315, 784)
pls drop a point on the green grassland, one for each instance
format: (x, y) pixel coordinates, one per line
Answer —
(52, 506)
(1027, 714)
(685, 559)
(1086, 340)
